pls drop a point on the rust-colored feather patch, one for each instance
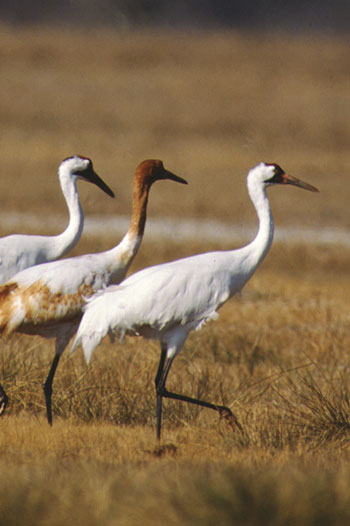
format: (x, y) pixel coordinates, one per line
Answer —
(36, 305)
(42, 306)
(5, 291)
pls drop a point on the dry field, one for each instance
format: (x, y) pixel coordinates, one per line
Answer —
(210, 106)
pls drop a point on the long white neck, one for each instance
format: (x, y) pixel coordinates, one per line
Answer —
(258, 248)
(64, 242)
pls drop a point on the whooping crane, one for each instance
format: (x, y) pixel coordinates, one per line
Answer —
(166, 302)
(18, 251)
(47, 299)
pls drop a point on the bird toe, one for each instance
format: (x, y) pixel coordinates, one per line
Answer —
(230, 418)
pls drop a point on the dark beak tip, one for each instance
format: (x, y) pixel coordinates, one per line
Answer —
(301, 184)
(101, 184)
(176, 178)
(312, 188)
(108, 191)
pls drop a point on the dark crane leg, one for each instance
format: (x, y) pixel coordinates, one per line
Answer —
(162, 373)
(47, 387)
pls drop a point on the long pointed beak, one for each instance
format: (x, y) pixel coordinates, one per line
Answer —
(289, 179)
(173, 177)
(92, 177)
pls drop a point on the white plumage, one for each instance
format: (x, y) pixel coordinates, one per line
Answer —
(166, 302)
(47, 299)
(18, 251)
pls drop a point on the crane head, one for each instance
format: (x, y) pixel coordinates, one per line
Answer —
(272, 174)
(153, 170)
(82, 168)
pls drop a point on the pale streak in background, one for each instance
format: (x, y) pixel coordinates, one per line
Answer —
(178, 229)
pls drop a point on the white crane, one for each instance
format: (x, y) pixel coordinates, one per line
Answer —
(19, 251)
(166, 302)
(47, 299)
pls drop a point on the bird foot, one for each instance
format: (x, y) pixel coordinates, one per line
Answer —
(230, 418)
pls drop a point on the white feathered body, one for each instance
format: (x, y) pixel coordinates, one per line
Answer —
(18, 252)
(166, 302)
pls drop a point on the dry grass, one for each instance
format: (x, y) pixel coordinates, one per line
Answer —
(278, 357)
(210, 106)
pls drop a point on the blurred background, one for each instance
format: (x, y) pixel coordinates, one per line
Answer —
(295, 16)
(211, 88)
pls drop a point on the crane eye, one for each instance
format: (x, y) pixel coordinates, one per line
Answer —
(278, 171)
(84, 169)
(277, 176)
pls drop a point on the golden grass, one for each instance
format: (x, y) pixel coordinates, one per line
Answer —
(211, 106)
(70, 488)
(278, 357)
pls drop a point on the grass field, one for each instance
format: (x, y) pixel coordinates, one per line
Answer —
(210, 106)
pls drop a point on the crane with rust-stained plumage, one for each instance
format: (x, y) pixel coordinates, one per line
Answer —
(166, 302)
(47, 299)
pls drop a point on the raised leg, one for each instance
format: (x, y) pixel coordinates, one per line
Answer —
(163, 371)
(3, 400)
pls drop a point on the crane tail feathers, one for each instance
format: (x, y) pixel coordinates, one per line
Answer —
(92, 329)
(88, 341)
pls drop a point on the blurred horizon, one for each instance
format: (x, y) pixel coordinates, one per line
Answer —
(295, 17)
